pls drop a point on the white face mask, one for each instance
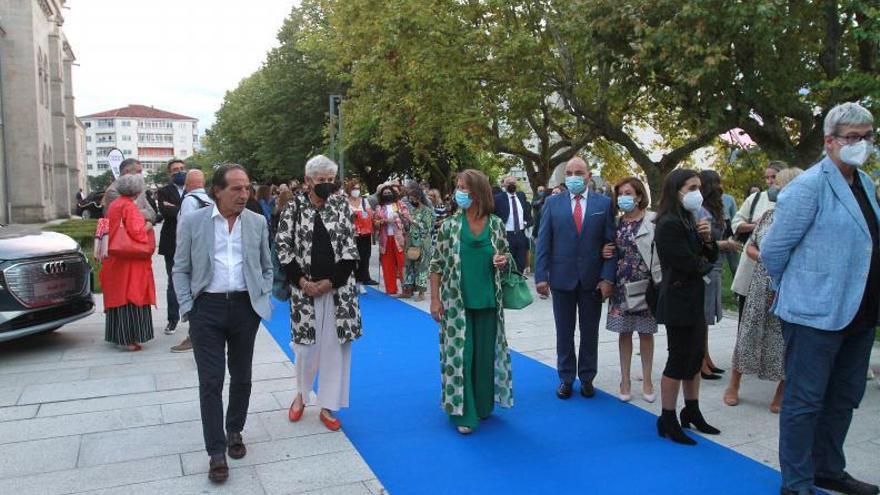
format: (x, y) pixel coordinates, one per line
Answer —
(355, 193)
(857, 154)
(692, 201)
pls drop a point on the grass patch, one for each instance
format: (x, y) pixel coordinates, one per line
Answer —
(728, 297)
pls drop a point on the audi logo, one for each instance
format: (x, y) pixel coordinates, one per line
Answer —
(55, 267)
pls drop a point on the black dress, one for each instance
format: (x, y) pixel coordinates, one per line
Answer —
(685, 260)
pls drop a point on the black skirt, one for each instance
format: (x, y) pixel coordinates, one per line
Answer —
(129, 324)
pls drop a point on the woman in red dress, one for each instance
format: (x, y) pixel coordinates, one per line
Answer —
(127, 282)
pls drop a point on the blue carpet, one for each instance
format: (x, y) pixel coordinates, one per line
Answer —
(542, 445)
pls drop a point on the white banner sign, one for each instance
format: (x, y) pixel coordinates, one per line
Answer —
(115, 158)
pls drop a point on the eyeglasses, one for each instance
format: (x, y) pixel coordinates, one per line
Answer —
(855, 138)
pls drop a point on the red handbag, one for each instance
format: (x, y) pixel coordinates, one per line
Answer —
(123, 246)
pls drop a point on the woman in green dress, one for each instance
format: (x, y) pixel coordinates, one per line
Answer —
(418, 241)
(466, 300)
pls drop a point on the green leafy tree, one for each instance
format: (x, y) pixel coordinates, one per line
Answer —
(100, 182)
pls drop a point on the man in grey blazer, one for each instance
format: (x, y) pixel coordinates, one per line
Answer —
(223, 277)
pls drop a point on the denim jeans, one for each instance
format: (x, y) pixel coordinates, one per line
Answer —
(825, 375)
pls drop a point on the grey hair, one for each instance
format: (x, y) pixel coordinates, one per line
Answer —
(130, 185)
(320, 163)
(850, 113)
(787, 175)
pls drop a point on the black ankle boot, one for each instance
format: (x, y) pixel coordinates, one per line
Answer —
(668, 427)
(691, 415)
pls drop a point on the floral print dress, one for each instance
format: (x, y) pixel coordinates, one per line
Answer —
(760, 347)
(415, 274)
(630, 268)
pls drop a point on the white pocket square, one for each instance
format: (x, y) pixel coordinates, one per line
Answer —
(597, 213)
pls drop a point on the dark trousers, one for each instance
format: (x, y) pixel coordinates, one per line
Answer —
(582, 305)
(825, 375)
(170, 295)
(365, 248)
(219, 326)
(519, 248)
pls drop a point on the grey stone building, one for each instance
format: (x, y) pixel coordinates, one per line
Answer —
(39, 174)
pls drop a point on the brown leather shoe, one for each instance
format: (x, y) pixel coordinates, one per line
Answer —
(218, 470)
(237, 450)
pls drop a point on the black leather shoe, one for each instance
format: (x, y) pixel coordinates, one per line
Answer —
(668, 427)
(847, 484)
(171, 328)
(713, 369)
(693, 417)
(786, 491)
(587, 390)
(709, 376)
(564, 391)
(218, 470)
(235, 445)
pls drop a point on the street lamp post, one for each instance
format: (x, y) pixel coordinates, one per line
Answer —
(337, 137)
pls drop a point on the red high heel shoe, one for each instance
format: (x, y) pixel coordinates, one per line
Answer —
(295, 415)
(331, 424)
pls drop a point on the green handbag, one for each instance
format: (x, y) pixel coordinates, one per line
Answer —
(515, 292)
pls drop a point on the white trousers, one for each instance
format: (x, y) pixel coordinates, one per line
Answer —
(326, 358)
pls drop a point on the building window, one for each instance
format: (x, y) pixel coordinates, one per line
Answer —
(105, 123)
(91, 167)
(126, 123)
(126, 137)
(88, 125)
(88, 139)
(183, 152)
(88, 152)
(126, 152)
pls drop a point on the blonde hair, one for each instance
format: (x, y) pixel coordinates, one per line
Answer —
(787, 175)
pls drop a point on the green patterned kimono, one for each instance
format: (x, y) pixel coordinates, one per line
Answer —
(415, 275)
(446, 261)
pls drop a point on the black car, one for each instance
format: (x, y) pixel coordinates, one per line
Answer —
(90, 207)
(45, 281)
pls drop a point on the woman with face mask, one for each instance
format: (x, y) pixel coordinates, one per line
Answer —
(628, 311)
(390, 220)
(418, 244)
(316, 246)
(362, 216)
(687, 253)
(466, 300)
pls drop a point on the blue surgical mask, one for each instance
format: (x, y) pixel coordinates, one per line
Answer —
(463, 199)
(575, 184)
(772, 194)
(179, 178)
(626, 203)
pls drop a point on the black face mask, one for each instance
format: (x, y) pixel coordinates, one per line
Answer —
(388, 197)
(511, 188)
(324, 189)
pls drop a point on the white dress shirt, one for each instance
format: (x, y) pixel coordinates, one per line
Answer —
(228, 274)
(514, 203)
(583, 202)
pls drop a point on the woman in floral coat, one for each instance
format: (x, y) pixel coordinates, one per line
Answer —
(466, 267)
(415, 273)
(316, 246)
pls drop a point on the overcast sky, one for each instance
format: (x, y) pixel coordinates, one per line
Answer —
(178, 55)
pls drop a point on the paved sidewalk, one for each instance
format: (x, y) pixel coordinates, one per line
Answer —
(79, 416)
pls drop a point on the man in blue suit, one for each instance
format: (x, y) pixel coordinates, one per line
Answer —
(514, 210)
(822, 254)
(574, 227)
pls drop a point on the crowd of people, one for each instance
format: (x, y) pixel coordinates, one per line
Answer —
(803, 252)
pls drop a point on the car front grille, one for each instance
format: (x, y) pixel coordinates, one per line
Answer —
(44, 282)
(46, 315)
